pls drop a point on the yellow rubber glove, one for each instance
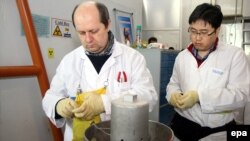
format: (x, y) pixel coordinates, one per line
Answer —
(188, 99)
(80, 125)
(174, 99)
(92, 106)
(65, 106)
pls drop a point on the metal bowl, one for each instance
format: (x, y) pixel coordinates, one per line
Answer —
(101, 132)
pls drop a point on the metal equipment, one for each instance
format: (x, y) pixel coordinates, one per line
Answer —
(129, 122)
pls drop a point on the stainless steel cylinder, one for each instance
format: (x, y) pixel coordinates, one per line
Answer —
(129, 119)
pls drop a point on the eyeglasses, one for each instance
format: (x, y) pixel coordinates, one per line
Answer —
(203, 33)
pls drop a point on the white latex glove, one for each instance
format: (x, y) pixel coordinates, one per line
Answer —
(174, 99)
(188, 99)
(92, 106)
(65, 106)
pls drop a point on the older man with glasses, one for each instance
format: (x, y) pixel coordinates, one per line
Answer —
(210, 80)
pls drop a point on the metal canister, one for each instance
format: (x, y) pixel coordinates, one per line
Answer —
(129, 119)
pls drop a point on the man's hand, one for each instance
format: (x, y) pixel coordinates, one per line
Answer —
(174, 99)
(188, 99)
(65, 106)
(92, 106)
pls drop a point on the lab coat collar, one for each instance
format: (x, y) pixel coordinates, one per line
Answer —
(117, 51)
(194, 52)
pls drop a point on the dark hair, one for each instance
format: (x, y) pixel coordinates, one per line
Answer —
(152, 39)
(171, 48)
(103, 12)
(73, 13)
(209, 13)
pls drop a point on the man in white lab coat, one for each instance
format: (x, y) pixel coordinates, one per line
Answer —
(101, 64)
(210, 80)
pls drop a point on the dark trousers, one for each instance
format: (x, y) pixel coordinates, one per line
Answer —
(187, 130)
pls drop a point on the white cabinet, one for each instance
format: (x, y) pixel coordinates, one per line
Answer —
(230, 7)
(234, 7)
(246, 9)
(153, 58)
(160, 63)
(162, 19)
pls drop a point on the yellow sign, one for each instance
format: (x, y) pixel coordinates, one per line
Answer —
(51, 53)
(61, 28)
(57, 31)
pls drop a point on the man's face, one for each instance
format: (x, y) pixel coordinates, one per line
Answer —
(92, 33)
(202, 35)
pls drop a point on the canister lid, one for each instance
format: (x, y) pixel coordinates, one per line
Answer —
(129, 101)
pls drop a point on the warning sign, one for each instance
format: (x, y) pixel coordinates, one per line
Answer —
(51, 53)
(57, 31)
(61, 28)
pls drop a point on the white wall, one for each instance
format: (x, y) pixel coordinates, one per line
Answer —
(162, 19)
(21, 114)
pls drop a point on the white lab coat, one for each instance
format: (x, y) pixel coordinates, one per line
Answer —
(76, 68)
(222, 82)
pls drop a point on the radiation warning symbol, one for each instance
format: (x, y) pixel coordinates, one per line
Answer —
(57, 31)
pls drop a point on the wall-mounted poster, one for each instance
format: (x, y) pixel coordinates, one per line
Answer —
(41, 25)
(124, 26)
